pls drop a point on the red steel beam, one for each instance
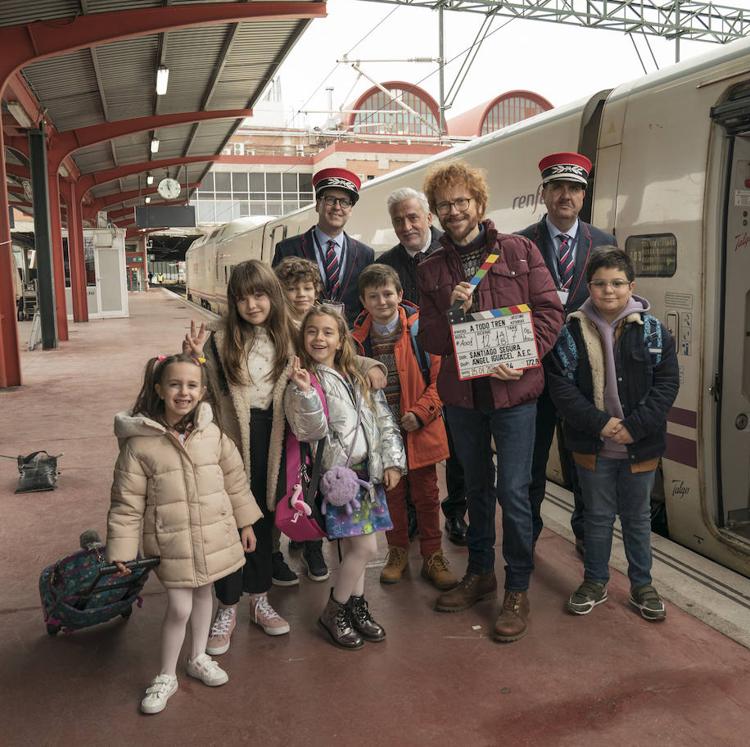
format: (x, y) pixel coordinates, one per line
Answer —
(115, 199)
(66, 143)
(14, 169)
(87, 181)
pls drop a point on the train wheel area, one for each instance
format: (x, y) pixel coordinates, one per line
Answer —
(438, 678)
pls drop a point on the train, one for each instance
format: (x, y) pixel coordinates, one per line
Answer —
(671, 180)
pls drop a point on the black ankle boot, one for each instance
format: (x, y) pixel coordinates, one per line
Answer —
(362, 620)
(337, 621)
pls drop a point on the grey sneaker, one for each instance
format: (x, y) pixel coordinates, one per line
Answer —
(586, 597)
(648, 601)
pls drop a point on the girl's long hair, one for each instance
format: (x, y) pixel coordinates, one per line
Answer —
(150, 404)
(247, 278)
(345, 360)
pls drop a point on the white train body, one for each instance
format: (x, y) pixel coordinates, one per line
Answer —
(672, 182)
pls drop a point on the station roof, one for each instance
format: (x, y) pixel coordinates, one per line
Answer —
(214, 66)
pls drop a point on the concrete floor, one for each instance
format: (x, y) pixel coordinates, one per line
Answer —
(610, 677)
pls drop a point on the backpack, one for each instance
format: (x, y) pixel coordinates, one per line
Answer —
(298, 513)
(566, 349)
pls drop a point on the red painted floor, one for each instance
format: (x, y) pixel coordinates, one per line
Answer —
(609, 678)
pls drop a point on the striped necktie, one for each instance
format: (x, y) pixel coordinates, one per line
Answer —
(565, 261)
(332, 270)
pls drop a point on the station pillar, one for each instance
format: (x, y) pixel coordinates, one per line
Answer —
(10, 357)
(42, 239)
(69, 190)
(58, 256)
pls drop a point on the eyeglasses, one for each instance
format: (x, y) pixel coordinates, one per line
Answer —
(616, 284)
(443, 208)
(343, 202)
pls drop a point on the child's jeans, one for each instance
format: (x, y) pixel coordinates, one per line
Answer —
(609, 490)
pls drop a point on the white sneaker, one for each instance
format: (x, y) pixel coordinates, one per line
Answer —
(205, 669)
(262, 614)
(222, 628)
(162, 687)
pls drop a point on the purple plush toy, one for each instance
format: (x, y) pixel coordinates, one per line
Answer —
(340, 487)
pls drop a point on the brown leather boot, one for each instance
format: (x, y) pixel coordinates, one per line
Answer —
(514, 617)
(395, 565)
(336, 620)
(437, 570)
(471, 589)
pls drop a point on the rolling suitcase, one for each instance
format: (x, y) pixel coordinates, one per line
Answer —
(81, 590)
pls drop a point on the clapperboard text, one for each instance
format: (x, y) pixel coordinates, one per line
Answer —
(489, 338)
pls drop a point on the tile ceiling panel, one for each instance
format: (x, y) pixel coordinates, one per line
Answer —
(127, 71)
(14, 12)
(77, 102)
(96, 158)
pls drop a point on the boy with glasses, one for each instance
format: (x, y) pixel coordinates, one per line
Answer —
(339, 257)
(566, 242)
(613, 376)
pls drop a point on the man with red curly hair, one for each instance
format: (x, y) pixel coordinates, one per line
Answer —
(501, 406)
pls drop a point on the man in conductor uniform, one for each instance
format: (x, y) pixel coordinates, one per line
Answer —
(339, 257)
(566, 243)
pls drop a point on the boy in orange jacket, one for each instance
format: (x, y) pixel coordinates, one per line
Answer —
(386, 331)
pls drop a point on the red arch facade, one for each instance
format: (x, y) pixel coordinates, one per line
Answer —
(385, 117)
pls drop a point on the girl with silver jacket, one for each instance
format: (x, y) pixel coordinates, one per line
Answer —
(360, 432)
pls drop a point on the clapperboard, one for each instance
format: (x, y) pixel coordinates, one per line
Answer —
(483, 340)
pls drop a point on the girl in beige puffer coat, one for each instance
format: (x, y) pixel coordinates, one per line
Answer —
(180, 489)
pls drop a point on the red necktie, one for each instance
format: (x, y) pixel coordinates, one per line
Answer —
(565, 261)
(332, 270)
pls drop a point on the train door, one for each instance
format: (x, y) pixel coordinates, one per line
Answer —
(277, 234)
(733, 385)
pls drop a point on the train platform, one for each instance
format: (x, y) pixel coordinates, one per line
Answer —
(607, 678)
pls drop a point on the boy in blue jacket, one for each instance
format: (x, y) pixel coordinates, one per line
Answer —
(613, 377)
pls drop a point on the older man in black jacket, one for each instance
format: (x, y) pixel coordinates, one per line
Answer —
(566, 243)
(412, 222)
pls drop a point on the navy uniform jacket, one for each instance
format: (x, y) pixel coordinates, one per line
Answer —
(589, 238)
(406, 267)
(357, 257)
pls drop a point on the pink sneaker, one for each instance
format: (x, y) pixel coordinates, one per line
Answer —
(262, 614)
(222, 628)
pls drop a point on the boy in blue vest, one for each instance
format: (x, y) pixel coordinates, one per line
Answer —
(613, 377)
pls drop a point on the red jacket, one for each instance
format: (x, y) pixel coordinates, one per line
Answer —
(428, 444)
(518, 277)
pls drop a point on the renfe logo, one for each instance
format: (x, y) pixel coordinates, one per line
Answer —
(520, 202)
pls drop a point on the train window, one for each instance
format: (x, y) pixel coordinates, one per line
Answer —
(654, 255)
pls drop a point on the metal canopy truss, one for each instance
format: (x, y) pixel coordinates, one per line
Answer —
(694, 21)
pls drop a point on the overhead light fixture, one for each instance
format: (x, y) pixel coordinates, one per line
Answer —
(154, 145)
(149, 180)
(148, 200)
(162, 80)
(19, 114)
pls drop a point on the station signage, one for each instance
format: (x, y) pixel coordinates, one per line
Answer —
(165, 216)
